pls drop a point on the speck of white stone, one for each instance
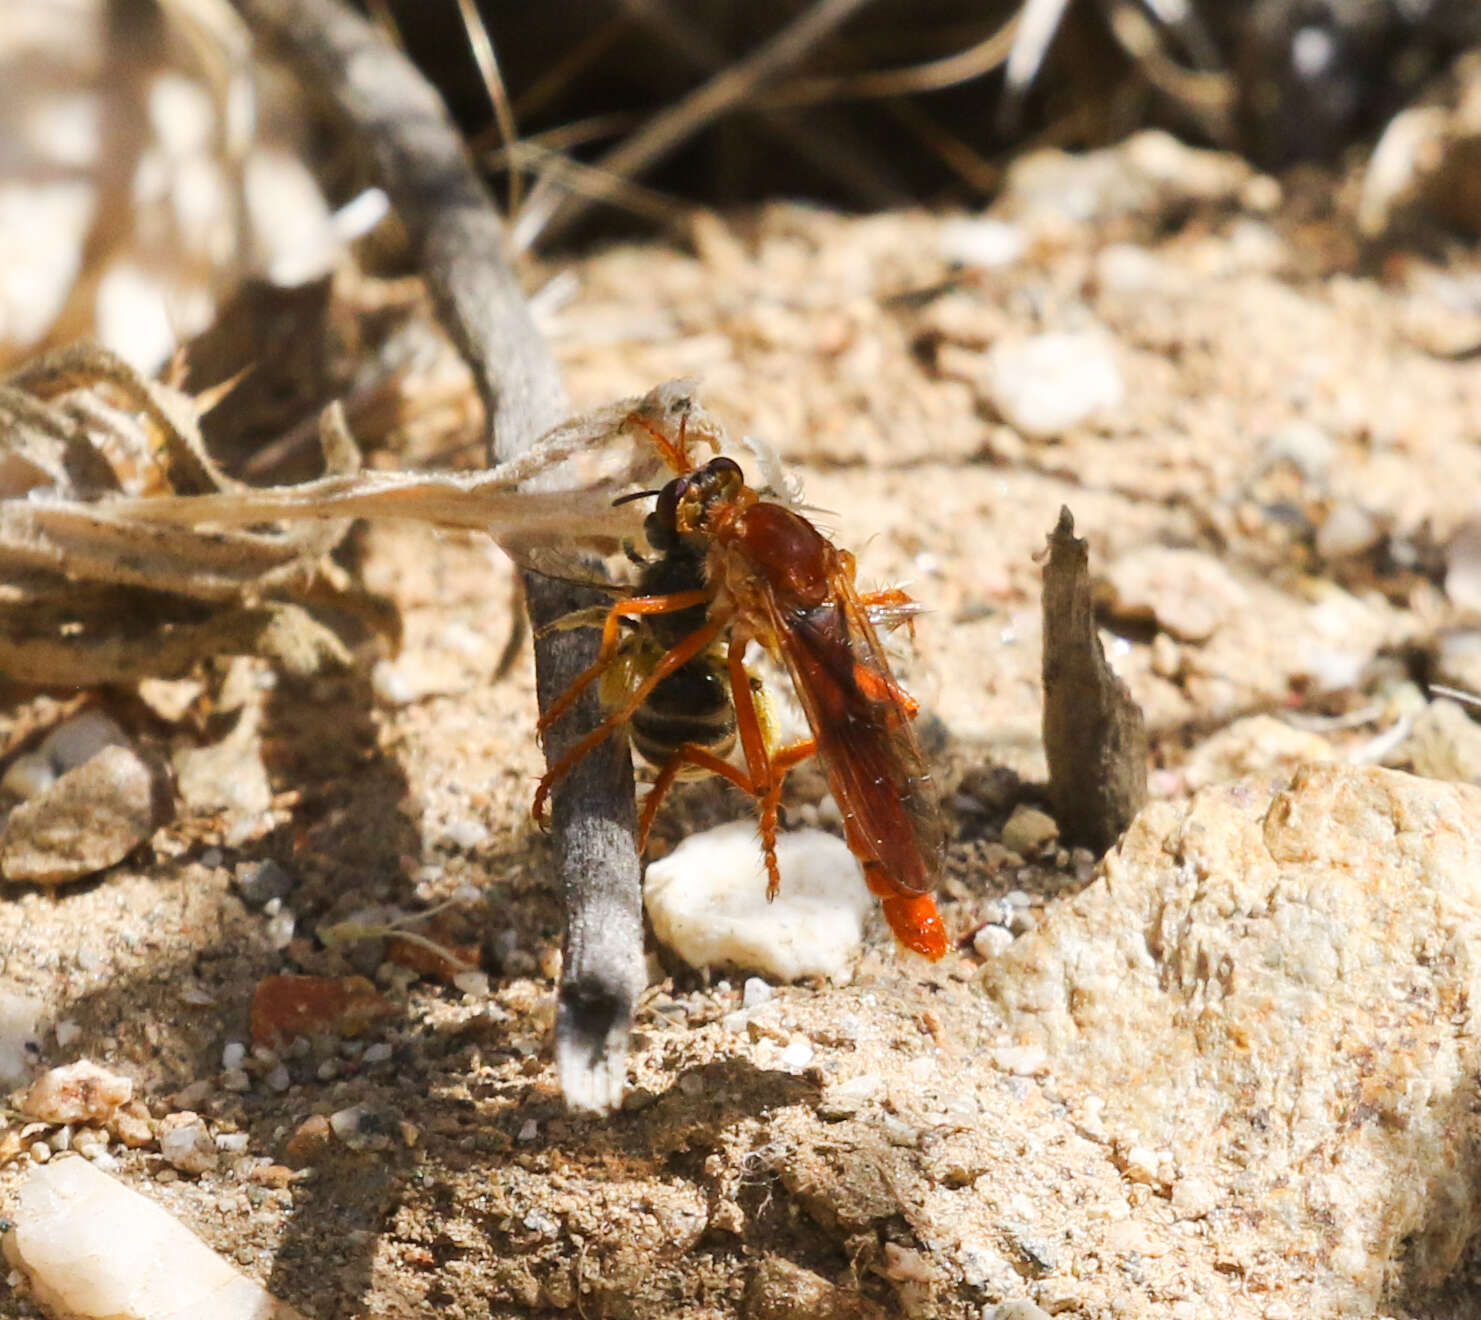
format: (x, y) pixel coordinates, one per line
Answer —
(475, 985)
(1029, 831)
(61, 1139)
(18, 1037)
(1140, 1165)
(328, 1070)
(466, 833)
(278, 1079)
(196, 995)
(233, 1054)
(101, 1159)
(377, 1053)
(235, 1079)
(1022, 1060)
(984, 241)
(390, 685)
(39, 1151)
(280, 930)
(346, 1122)
(232, 1143)
(1047, 384)
(992, 941)
(797, 1055)
(736, 1021)
(185, 1143)
(530, 1130)
(755, 992)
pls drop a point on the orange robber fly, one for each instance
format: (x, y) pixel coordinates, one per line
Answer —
(732, 567)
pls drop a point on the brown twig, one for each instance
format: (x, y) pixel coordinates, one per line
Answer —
(459, 244)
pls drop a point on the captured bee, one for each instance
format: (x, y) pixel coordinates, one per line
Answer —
(733, 568)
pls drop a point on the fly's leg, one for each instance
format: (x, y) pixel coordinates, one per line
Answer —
(781, 760)
(679, 656)
(632, 608)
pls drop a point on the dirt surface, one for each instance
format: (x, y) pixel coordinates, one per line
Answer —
(1275, 376)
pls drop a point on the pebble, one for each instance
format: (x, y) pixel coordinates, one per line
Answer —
(377, 1053)
(981, 241)
(95, 1249)
(259, 883)
(796, 1056)
(845, 1099)
(1445, 743)
(72, 743)
(233, 1054)
(19, 1043)
(1048, 384)
(1348, 530)
(992, 941)
(1029, 830)
(67, 1032)
(1022, 1060)
(89, 819)
(186, 1144)
(707, 902)
(77, 1092)
(755, 992)
(529, 1131)
(345, 1123)
(473, 984)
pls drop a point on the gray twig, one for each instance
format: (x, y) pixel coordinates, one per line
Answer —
(459, 244)
(1095, 738)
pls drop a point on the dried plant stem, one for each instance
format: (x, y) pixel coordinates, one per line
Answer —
(459, 244)
(545, 212)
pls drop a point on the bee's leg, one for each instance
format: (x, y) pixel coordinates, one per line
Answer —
(631, 608)
(688, 754)
(671, 660)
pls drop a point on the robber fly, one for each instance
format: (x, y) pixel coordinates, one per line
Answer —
(733, 568)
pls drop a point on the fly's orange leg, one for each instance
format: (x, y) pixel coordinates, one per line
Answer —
(779, 763)
(673, 454)
(673, 659)
(631, 608)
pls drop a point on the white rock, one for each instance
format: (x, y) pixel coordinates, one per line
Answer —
(78, 1092)
(94, 1250)
(1045, 385)
(981, 241)
(186, 1143)
(18, 1041)
(797, 1055)
(992, 941)
(707, 902)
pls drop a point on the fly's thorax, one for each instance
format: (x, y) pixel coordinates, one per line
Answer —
(794, 561)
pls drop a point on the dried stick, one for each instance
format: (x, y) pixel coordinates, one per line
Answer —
(459, 244)
(545, 213)
(1095, 738)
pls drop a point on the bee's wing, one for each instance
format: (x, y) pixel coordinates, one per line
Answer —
(861, 719)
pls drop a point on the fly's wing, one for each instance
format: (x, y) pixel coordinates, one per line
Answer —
(549, 508)
(861, 717)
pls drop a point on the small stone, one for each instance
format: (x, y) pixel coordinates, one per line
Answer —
(755, 992)
(1029, 831)
(345, 1123)
(19, 1045)
(1051, 383)
(707, 902)
(1348, 530)
(227, 775)
(278, 1079)
(796, 1056)
(89, 819)
(1186, 592)
(845, 1099)
(75, 1093)
(67, 1033)
(1140, 1165)
(308, 1141)
(1445, 743)
(260, 882)
(981, 241)
(270, 1175)
(233, 1054)
(992, 941)
(186, 1144)
(377, 1053)
(529, 1130)
(1022, 1060)
(1193, 1198)
(235, 1079)
(132, 1126)
(1020, 1308)
(475, 985)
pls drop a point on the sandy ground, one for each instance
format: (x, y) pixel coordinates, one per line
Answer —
(1274, 377)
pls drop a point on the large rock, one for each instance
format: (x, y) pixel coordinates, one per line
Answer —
(1268, 1007)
